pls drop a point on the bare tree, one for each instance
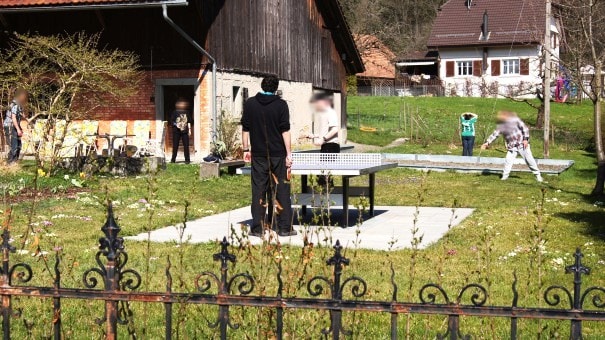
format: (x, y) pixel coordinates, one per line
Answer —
(586, 51)
(67, 77)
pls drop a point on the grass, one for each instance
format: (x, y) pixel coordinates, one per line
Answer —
(437, 119)
(518, 226)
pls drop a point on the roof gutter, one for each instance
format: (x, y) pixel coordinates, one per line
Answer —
(94, 6)
(204, 52)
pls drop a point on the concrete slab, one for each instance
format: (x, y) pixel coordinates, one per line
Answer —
(390, 228)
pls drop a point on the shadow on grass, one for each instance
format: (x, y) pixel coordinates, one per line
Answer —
(593, 221)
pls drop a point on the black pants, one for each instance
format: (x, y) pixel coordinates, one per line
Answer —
(328, 148)
(266, 193)
(468, 142)
(14, 141)
(177, 136)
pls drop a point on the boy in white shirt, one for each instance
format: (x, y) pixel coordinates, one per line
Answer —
(325, 123)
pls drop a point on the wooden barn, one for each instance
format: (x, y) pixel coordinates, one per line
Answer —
(212, 51)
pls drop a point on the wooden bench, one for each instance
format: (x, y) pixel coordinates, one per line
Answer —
(210, 170)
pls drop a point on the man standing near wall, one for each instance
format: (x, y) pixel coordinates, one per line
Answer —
(266, 142)
(12, 125)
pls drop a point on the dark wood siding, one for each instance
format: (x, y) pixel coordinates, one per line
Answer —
(286, 38)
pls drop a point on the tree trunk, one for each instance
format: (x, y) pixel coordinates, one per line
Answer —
(598, 130)
(540, 118)
(598, 189)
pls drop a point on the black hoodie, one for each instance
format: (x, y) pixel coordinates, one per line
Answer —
(266, 117)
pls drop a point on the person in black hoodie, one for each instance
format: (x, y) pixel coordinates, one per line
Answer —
(266, 142)
(181, 128)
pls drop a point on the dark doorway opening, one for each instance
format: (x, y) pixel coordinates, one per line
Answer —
(171, 94)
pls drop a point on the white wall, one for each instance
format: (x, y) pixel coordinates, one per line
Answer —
(460, 83)
(296, 94)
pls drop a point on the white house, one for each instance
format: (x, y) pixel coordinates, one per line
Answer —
(492, 47)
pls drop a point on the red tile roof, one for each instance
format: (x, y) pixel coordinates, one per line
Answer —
(52, 3)
(510, 22)
(377, 58)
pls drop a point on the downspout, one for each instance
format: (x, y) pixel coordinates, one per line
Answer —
(204, 52)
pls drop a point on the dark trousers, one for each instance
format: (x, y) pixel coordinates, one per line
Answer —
(14, 141)
(468, 142)
(266, 193)
(177, 136)
(328, 148)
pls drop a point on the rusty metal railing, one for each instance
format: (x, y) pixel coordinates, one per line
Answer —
(110, 281)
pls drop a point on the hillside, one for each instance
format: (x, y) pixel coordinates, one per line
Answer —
(403, 25)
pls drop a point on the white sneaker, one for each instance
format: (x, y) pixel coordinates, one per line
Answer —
(539, 178)
(504, 178)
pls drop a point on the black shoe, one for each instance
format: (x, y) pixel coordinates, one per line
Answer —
(258, 234)
(187, 162)
(286, 233)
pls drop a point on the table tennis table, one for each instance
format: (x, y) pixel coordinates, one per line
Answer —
(344, 165)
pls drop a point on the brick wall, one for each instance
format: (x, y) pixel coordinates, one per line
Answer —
(140, 105)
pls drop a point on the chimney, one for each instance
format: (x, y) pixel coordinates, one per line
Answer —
(484, 27)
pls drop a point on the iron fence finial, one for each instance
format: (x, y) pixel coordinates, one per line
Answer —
(111, 245)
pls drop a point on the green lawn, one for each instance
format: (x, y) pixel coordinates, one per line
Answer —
(435, 120)
(518, 226)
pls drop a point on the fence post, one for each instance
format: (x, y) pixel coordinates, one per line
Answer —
(223, 313)
(337, 261)
(5, 278)
(111, 246)
(578, 269)
(57, 300)
(112, 272)
(168, 305)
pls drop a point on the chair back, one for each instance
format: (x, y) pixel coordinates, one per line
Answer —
(141, 130)
(118, 127)
(89, 128)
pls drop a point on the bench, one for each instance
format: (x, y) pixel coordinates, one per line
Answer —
(211, 170)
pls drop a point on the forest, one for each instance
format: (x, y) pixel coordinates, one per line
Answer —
(403, 25)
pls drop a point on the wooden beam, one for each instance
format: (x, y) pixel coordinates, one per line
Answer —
(100, 18)
(3, 21)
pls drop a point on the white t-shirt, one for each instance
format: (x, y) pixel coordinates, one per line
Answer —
(323, 121)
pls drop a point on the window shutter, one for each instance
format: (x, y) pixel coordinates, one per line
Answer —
(477, 68)
(524, 66)
(495, 68)
(450, 69)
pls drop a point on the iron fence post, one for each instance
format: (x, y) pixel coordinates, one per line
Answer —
(168, 305)
(224, 257)
(337, 261)
(578, 269)
(111, 245)
(57, 300)
(6, 299)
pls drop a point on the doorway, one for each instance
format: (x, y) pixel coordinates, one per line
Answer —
(172, 93)
(168, 91)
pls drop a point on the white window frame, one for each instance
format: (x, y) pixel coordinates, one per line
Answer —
(466, 65)
(506, 67)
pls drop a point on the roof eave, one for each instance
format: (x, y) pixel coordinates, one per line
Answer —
(79, 7)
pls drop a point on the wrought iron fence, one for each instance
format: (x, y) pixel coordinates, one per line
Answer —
(115, 284)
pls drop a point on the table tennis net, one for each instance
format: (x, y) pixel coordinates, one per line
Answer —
(338, 159)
